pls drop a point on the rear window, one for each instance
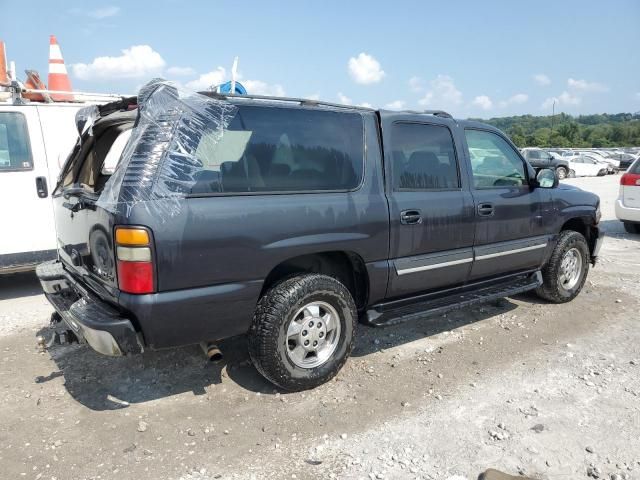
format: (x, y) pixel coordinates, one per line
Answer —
(282, 150)
(15, 150)
(635, 167)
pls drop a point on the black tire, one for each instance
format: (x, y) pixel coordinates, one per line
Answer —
(561, 172)
(551, 289)
(268, 342)
(631, 227)
(572, 174)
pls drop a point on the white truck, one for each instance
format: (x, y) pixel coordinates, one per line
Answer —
(35, 139)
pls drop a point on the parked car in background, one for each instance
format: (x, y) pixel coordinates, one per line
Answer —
(582, 166)
(628, 203)
(613, 165)
(625, 159)
(599, 160)
(539, 158)
(289, 220)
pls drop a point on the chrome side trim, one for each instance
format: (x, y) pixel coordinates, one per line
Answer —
(509, 252)
(434, 266)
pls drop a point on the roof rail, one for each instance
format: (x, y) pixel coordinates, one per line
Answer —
(299, 101)
(437, 113)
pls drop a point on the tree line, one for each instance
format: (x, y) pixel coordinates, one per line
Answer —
(562, 130)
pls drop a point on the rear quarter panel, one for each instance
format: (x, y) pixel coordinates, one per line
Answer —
(217, 250)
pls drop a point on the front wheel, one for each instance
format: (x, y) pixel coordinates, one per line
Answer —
(572, 174)
(302, 331)
(566, 271)
(561, 172)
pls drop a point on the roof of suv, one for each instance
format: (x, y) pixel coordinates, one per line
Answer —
(262, 99)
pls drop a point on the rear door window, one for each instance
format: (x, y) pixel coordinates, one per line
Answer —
(276, 149)
(15, 149)
(424, 157)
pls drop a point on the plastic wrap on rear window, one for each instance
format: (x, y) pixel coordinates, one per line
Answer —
(85, 118)
(159, 166)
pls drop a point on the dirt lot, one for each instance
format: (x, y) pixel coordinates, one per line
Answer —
(550, 391)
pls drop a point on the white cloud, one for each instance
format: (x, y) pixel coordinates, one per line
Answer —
(416, 84)
(313, 96)
(638, 96)
(209, 79)
(576, 89)
(584, 86)
(135, 62)
(258, 87)
(517, 99)
(344, 99)
(219, 76)
(396, 105)
(442, 93)
(541, 79)
(564, 99)
(482, 101)
(104, 12)
(365, 69)
(365, 104)
(180, 71)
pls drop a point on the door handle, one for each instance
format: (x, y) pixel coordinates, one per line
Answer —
(41, 187)
(485, 209)
(410, 217)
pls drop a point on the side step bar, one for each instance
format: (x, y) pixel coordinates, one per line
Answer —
(389, 315)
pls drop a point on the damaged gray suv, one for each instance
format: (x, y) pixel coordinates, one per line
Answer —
(187, 218)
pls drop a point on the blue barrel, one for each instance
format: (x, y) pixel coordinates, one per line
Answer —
(226, 88)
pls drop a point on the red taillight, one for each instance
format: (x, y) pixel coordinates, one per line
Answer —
(135, 260)
(630, 179)
(135, 277)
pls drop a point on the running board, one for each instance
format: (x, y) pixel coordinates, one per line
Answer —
(389, 315)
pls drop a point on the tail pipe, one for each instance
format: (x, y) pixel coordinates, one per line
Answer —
(212, 351)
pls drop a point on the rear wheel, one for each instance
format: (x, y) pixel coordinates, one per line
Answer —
(302, 331)
(562, 173)
(572, 174)
(632, 227)
(566, 271)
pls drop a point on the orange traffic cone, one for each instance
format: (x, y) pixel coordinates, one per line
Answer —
(4, 77)
(58, 78)
(33, 82)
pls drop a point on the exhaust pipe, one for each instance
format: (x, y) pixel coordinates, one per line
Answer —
(212, 351)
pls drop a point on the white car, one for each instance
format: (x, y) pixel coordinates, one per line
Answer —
(582, 166)
(612, 162)
(628, 203)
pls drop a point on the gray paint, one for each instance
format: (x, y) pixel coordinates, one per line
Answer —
(213, 256)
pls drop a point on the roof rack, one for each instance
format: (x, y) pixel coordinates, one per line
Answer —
(299, 101)
(15, 93)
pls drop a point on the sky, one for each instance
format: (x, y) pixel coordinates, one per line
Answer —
(479, 59)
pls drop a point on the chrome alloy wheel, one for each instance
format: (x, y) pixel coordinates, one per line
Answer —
(570, 269)
(313, 335)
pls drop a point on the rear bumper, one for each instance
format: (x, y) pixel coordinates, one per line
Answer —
(90, 318)
(625, 213)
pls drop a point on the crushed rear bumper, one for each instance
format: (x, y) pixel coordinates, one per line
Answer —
(89, 317)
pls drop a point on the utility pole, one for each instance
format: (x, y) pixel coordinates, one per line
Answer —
(553, 114)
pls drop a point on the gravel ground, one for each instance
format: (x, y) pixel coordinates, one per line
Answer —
(548, 391)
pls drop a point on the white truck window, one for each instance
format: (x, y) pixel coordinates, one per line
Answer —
(115, 152)
(15, 150)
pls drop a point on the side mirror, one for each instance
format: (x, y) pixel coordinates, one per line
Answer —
(547, 178)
